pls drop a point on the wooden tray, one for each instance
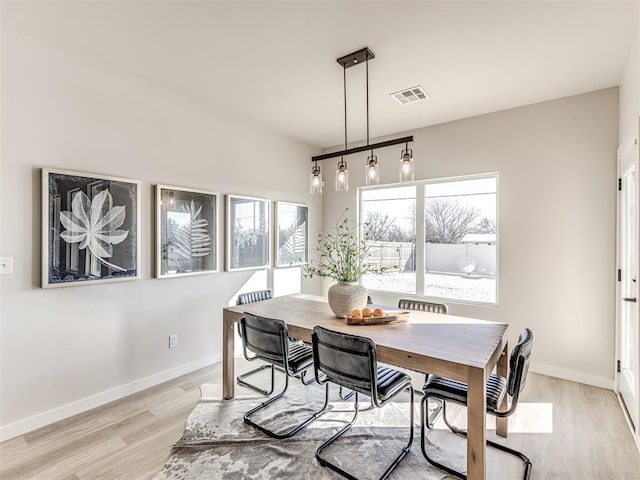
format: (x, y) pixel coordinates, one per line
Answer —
(389, 317)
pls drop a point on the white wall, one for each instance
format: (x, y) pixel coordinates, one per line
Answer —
(630, 91)
(557, 166)
(67, 349)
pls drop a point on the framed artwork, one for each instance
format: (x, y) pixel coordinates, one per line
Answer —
(248, 236)
(90, 228)
(292, 234)
(186, 231)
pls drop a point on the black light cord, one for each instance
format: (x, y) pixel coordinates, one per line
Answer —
(344, 81)
(367, 78)
(367, 81)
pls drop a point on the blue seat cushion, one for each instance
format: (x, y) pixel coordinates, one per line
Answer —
(451, 390)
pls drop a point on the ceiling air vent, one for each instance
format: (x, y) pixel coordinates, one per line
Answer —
(410, 95)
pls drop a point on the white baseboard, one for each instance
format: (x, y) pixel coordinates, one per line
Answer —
(65, 411)
(634, 434)
(580, 377)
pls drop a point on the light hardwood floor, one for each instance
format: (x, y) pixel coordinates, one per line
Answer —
(581, 434)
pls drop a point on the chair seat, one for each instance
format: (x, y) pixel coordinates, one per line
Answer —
(454, 391)
(391, 381)
(300, 356)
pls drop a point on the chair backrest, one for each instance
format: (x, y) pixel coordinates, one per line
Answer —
(346, 360)
(422, 306)
(265, 337)
(251, 297)
(519, 363)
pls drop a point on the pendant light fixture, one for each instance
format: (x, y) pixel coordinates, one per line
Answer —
(315, 180)
(342, 173)
(372, 169)
(342, 176)
(406, 164)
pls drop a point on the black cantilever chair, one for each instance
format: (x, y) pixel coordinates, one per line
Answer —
(267, 339)
(257, 296)
(350, 361)
(423, 306)
(243, 299)
(497, 386)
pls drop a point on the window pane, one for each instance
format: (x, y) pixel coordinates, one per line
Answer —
(388, 219)
(460, 240)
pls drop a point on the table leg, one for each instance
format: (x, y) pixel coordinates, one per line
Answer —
(476, 425)
(228, 359)
(502, 428)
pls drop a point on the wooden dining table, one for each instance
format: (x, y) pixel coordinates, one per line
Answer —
(460, 348)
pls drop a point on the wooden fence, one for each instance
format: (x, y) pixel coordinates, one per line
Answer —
(439, 258)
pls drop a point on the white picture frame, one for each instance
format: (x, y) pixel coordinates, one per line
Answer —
(186, 231)
(291, 233)
(247, 233)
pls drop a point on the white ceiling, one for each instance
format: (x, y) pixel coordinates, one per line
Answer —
(275, 62)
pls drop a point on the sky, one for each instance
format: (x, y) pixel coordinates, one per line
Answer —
(398, 202)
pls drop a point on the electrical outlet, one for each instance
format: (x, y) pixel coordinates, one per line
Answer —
(6, 265)
(173, 341)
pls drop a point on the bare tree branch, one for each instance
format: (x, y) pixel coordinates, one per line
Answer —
(377, 226)
(485, 225)
(448, 220)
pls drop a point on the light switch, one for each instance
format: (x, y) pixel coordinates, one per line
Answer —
(6, 265)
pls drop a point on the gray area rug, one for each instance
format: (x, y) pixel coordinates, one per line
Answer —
(218, 445)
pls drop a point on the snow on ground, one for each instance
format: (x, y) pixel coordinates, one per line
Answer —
(458, 287)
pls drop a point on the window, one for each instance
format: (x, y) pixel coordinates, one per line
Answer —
(388, 220)
(456, 220)
(460, 240)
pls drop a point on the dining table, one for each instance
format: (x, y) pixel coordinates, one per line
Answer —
(459, 348)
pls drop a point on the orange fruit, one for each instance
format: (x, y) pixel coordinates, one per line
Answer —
(366, 312)
(378, 313)
(356, 313)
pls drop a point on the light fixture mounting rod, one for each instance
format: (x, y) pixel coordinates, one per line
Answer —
(363, 148)
(356, 58)
(351, 60)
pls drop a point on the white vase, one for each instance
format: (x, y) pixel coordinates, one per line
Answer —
(346, 296)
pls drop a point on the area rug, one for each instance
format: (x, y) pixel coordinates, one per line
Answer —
(218, 445)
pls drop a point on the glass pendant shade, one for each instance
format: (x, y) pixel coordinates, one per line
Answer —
(342, 177)
(372, 171)
(406, 166)
(315, 181)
